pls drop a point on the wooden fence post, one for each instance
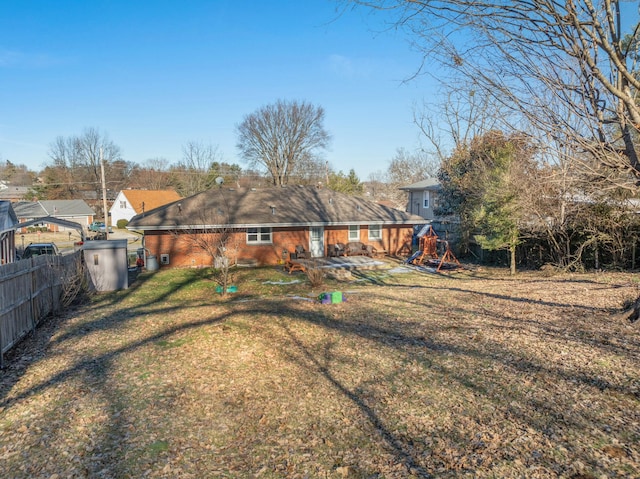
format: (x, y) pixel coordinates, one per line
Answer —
(32, 289)
(1, 347)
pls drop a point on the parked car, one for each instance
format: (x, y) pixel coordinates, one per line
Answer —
(99, 227)
(95, 226)
(37, 249)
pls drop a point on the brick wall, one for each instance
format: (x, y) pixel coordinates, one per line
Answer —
(396, 240)
(184, 251)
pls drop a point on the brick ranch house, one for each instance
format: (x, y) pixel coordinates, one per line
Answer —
(266, 224)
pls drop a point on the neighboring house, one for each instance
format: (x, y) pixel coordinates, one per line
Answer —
(129, 203)
(94, 200)
(267, 224)
(13, 193)
(423, 197)
(76, 211)
(8, 220)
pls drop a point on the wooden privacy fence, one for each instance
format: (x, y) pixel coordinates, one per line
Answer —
(30, 290)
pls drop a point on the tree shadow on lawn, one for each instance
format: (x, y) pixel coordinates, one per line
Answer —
(539, 407)
(92, 370)
(391, 331)
(383, 281)
(506, 318)
(156, 301)
(566, 309)
(525, 276)
(426, 304)
(35, 345)
(39, 344)
(477, 297)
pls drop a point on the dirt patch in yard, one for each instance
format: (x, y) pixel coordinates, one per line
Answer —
(468, 374)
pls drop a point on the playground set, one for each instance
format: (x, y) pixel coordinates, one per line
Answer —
(427, 253)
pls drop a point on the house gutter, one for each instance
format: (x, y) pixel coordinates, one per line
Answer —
(262, 225)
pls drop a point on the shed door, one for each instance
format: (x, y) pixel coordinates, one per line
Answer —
(316, 245)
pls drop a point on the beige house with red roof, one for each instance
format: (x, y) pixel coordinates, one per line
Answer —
(129, 203)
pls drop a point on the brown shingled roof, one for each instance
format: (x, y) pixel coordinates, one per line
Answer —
(288, 206)
(151, 198)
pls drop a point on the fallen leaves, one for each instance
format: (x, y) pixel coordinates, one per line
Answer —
(415, 376)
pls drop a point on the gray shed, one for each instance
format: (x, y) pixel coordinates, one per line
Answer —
(107, 264)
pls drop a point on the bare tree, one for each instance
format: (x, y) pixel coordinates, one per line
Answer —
(193, 174)
(404, 169)
(209, 230)
(221, 244)
(377, 189)
(280, 136)
(153, 174)
(76, 165)
(309, 171)
(460, 116)
(75, 283)
(532, 55)
(409, 167)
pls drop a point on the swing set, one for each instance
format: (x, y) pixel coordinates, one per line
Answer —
(428, 252)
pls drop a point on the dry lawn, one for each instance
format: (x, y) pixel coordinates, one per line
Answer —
(469, 374)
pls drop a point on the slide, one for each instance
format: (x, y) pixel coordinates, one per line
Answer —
(413, 256)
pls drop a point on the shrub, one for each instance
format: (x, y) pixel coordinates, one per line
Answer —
(75, 285)
(122, 224)
(315, 274)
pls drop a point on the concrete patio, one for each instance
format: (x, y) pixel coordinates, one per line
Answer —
(348, 263)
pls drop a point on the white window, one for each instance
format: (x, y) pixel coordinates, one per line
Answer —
(425, 199)
(123, 205)
(375, 232)
(259, 235)
(354, 232)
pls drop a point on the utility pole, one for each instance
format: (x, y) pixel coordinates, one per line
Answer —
(326, 172)
(104, 198)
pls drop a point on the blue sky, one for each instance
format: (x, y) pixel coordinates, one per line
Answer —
(155, 75)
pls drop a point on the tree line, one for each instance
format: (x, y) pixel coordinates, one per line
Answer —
(536, 128)
(535, 137)
(280, 143)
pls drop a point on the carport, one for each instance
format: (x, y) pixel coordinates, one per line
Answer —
(47, 219)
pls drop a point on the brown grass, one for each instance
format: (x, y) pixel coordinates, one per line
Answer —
(470, 374)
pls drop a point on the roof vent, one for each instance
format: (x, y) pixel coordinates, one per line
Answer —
(273, 209)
